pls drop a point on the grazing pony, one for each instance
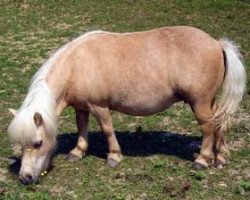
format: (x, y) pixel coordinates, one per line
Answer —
(139, 73)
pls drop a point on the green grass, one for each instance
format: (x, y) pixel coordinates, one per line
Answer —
(156, 165)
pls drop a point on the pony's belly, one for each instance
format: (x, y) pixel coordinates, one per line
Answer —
(142, 108)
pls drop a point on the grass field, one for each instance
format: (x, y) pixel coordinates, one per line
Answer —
(159, 149)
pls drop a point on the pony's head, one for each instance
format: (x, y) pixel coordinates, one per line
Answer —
(35, 133)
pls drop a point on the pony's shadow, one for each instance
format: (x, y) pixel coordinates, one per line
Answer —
(135, 144)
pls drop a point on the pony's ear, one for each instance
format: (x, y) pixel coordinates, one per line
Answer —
(13, 112)
(38, 119)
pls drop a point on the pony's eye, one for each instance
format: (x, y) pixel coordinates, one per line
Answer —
(37, 145)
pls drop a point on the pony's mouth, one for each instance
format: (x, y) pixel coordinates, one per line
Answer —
(28, 179)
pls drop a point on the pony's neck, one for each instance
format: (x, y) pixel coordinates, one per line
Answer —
(48, 86)
(57, 81)
(60, 68)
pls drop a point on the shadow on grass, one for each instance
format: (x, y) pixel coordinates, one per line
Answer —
(136, 144)
(132, 144)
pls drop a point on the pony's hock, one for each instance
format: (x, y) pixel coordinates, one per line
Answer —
(138, 73)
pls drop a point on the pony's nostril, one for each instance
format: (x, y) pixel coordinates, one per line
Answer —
(27, 179)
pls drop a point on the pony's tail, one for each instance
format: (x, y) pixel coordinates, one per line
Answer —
(233, 86)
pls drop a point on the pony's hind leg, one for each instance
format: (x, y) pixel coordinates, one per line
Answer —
(220, 148)
(82, 143)
(105, 122)
(204, 115)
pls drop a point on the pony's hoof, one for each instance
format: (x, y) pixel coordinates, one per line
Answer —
(198, 166)
(218, 164)
(73, 158)
(112, 163)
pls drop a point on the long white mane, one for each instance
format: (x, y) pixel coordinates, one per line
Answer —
(39, 99)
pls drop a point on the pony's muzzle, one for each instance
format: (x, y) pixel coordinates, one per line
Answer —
(26, 179)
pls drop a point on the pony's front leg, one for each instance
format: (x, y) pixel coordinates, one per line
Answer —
(81, 147)
(105, 122)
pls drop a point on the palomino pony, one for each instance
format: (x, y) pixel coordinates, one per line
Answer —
(138, 73)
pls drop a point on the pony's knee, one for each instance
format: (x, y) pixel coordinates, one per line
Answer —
(107, 130)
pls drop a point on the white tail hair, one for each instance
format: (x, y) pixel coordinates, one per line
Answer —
(233, 87)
